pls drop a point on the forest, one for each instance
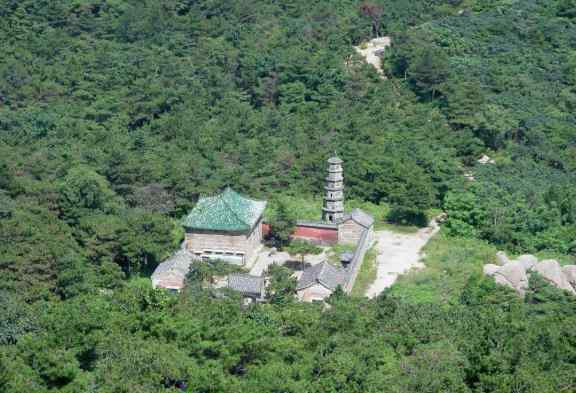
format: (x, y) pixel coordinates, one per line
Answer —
(116, 115)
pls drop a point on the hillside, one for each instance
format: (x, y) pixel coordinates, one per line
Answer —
(116, 115)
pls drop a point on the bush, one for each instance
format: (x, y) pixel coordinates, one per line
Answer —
(407, 216)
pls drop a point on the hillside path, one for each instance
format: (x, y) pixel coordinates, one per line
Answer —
(397, 254)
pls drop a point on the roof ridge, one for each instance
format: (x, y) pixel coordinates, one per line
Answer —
(225, 211)
(243, 196)
(232, 208)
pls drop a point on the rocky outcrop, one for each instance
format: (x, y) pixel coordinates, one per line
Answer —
(490, 269)
(501, 258)
(516, 273)
(552, 272)
(570, 274)
(528, 261)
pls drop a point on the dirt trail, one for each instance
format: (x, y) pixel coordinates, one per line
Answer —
(370, 50)
(397, 254)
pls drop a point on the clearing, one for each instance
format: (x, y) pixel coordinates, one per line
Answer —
(372, 50)
(397, 254)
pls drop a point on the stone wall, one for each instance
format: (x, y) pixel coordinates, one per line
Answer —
(364, 243)
(199, 241)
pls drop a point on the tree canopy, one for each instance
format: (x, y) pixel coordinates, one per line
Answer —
(116, 115)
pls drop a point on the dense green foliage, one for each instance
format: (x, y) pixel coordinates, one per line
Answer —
(140, 340)
(115, 115)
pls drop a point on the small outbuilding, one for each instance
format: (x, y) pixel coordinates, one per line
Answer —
(353, 225)
(251, 287)
(171, 273)
(319, 281)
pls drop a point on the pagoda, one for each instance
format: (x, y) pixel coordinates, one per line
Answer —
(333, 207)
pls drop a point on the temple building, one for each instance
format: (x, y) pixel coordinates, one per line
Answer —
(227, 227)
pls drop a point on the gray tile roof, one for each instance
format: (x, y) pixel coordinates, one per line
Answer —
(246, 284)
(172, 272)
(324, 274)
(360, 217)
(347, 256)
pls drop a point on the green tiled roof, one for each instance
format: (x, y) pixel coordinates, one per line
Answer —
(228, 211)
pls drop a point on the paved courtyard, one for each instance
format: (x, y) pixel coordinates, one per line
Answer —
(266, 258)
(397, 254)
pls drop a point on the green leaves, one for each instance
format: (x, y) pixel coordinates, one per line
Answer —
(282, 224)
(464, 216)
(16, 320)
(83, 192)
(282, 287)
(428, 69)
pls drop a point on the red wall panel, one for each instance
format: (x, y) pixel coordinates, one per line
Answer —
(326, 235)
(315, 234)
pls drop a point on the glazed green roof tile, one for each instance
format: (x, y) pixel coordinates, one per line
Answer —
(228, 211)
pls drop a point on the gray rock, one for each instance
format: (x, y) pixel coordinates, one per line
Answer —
(527, 260)
(503, 281)
(490, 269)
(570, 274)
(501, 258)
(515, 274)
(551, 271)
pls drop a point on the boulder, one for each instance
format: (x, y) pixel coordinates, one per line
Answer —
(501, 258)
(551, 271)
(514, 273)
(570, 274)
(499, 279)
(528, 261)
(490, 269)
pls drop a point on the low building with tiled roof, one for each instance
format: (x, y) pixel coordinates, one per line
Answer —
(251, 287)
(227, 226)
(353, 225)
(171, 273)
(319, 281)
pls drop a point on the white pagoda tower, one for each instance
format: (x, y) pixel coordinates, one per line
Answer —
(333, 209)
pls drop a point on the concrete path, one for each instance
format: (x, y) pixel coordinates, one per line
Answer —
(397, 254)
